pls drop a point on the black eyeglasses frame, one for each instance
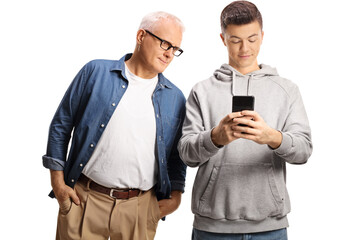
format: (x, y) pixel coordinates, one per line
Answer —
(176, 50)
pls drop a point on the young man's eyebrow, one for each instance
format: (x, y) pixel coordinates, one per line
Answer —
(253, 35)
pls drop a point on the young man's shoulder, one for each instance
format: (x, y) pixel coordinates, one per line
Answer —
(205, 84)
(286, 84)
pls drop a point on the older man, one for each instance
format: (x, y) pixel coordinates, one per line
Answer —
(125, 119)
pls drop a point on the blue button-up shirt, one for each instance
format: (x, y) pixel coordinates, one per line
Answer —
(86, 109)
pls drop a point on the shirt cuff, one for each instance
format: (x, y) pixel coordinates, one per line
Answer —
(178, 186)
(53, 163)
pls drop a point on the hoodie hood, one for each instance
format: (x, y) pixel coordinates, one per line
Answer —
(227, 73)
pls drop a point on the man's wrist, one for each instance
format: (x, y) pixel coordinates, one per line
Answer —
(213, 138)
(276, 139)
(176, 194)
(57, 179)
(176, 197)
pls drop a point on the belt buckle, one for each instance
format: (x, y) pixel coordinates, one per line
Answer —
(111, 193)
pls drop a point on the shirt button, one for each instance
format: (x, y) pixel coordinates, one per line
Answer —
(113, 104)
(81, 164)
(72, 180)
(102, 125)
(162, 160)
(157, 115)
(159, 138)
(91, 145)
(123, 86)
(164, 182)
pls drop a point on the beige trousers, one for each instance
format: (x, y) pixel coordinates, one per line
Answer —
(99, 217)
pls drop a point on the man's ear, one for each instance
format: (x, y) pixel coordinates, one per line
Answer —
(223, 39)
(140, 36)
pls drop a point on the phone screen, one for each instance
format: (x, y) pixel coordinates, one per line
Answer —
(241, 103)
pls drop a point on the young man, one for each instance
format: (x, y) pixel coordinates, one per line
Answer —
(239, 191)
(125, 119)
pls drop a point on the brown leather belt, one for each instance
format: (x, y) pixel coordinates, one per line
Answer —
(112, 192)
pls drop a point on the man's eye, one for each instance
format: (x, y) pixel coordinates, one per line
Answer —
(166, 44)
(252, 40)
(235, 42)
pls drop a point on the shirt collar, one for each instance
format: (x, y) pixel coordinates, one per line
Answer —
(120, 66)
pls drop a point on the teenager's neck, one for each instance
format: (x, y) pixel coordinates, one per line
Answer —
(245, 70)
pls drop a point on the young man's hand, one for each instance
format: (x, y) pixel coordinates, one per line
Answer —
(223, 133)
(256, 130)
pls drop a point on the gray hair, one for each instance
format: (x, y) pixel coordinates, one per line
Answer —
(150, 21)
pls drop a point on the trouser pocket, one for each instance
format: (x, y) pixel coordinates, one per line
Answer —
(70, 218)
(65, 206)
(154, 209)
(241, 191)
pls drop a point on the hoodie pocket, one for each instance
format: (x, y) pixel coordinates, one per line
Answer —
(241, 191)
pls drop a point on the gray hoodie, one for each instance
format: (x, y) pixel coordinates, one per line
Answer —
(240, 188)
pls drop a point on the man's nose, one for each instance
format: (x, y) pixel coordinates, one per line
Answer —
(244, 46)
(168, 53)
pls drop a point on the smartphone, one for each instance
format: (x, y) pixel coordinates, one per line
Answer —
(241, 103)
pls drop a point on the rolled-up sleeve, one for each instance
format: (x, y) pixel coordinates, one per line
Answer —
(62, 124)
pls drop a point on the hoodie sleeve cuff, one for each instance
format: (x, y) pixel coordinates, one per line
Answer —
(208, 143)
(285, 146)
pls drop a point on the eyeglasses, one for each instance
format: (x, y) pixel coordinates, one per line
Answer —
(166, 45)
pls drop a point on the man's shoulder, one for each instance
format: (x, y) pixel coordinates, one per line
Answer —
(171, 85)
(278, 80)
(286, 84)
(101, 63)
(206, 84)
(99, 70)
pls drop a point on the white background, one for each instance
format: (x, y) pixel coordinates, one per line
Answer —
(313, 43)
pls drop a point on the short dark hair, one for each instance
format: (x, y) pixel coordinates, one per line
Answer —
(239, 13)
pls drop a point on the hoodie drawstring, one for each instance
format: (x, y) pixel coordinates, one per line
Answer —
(248, 85)
(233, 87)
(233, 83)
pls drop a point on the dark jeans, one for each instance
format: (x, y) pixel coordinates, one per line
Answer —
(280, 234)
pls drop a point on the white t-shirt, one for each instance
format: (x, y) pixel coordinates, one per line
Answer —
(125, 154)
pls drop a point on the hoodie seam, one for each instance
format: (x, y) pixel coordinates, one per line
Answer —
(271, 79)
